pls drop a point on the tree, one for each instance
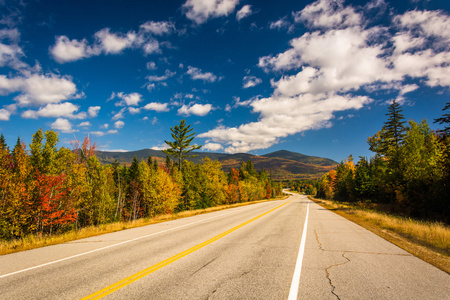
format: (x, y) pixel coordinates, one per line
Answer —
(445, 119)
(181, 145)
(2, 142)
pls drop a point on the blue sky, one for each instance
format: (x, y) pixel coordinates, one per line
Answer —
(249, 76)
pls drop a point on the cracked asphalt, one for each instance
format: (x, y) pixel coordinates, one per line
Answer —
(345, 261)
(254, 261)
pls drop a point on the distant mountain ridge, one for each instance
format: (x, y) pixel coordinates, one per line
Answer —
(283, 164)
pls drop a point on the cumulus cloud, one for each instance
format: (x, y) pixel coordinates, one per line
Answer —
(38, 89)
(329, 69)
(85, 124)
(196, 109)
(162, 78)
(66, 50)
(106, 42)
(119, 115)
(132, 99)
(244, 12)
(158, 28)
(251, 81)
(200, 11)
(4, 115)
(10, 52)
(198, 74)
(93, 111)
(282, 116)
(159, 107)
(119, 124)
(112, 43)
(65, 109)
(212, 147)
(62, 125)
(328, 14)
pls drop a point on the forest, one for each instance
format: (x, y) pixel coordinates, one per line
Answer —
(408, 175)
(47, 190)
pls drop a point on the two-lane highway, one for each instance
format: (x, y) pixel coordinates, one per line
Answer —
(249, 252)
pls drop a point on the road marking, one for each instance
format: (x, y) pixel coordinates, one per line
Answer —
(124, 282)
(111, 246)
(298, 266)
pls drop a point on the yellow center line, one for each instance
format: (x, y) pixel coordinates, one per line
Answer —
(126, 281)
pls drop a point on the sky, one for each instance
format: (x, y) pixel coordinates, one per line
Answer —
(250, 76)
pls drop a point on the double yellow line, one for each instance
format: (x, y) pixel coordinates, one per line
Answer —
(124, 282)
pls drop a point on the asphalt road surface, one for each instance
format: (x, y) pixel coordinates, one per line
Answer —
(284, 249)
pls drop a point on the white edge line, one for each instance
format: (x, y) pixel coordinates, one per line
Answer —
(293, 293)
(110, 246)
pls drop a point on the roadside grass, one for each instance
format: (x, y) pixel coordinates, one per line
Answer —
(429, 241)
(36, 241)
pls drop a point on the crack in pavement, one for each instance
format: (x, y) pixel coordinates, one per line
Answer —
(360, 252)
(327, 273)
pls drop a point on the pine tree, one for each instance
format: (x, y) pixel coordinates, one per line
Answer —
(445, 119)
(181, 145)
(2, 142)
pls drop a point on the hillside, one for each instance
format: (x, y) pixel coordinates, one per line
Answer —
(283, 164)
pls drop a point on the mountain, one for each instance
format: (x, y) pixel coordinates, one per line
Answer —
(314, 160)
(283, 164)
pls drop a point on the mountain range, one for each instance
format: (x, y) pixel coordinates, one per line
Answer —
(284, 165)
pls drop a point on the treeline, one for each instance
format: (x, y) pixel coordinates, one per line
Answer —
(410, 171)
(46, 190)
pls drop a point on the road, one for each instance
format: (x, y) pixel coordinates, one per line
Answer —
(248, 252)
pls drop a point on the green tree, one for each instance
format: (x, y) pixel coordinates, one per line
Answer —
(445, 119)
(181, 145)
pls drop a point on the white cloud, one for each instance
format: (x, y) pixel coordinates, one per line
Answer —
(62, 125)
(151, 66)
(66, 50)
(102, 133)
(154, 120)
(10, 52)
(196, 109)
(159, 107)
(112, 43)
(283, 116)
(4, 115)
(328, 69)
(132, 99)
(200, 11)
(212, 146)
(251, 81)
(280, 24)
(85, 124)
(155, 78)
(39, 89)
(158, 28)
(244, 12)
(328, 14)
(119, 115)
(93, 111)
(65, 109)
(134, 110)
(163, 146)
(197, 74)
(104, 126)
(119, 124)
(151, 46)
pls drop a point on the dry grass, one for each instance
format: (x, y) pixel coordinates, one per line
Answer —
(429, 241)
(34, 241)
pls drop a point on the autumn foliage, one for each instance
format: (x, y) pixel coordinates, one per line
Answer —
(48, 190)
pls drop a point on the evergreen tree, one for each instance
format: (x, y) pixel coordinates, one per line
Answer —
(445, 119)
(181, 145)
(2, 142)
